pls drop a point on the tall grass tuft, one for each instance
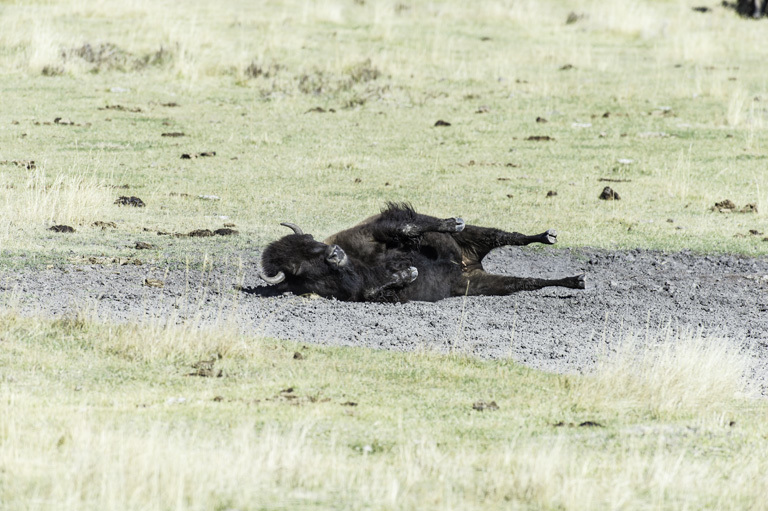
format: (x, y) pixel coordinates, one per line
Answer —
(71, 198)
(667, 375)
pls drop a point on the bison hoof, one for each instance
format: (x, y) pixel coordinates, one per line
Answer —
(581, 281)
(455, 224)
(407, 276)
(550, 237)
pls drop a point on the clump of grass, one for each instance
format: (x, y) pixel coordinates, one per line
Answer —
(175, 342)
(666, 376)
(110, 57)
(68, 198)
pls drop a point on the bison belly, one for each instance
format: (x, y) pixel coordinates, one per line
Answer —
(436, 280)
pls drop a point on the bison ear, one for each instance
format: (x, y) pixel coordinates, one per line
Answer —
(298, 269)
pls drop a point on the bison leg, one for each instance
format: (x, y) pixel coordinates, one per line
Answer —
(387, 231)
(476, 242)
(481, 283)
(397, 280)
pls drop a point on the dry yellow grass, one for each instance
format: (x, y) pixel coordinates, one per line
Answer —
(101, 417)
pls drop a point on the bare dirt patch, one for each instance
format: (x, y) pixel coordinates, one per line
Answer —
(555, 329)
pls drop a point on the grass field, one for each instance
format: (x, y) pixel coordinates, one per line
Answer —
(677, 94)
(318, 112)
(101, 417)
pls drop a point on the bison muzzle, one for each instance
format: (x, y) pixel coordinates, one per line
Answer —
(399, 255)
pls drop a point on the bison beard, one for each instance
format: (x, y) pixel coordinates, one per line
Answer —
(397, 256)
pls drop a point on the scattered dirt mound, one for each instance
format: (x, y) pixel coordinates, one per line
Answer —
(192, 156)
(728, 206)
(62, 228)
(609, 194)
(130, 201)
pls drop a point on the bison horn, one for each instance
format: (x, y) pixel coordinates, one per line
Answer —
(295, 228)
(272, 280)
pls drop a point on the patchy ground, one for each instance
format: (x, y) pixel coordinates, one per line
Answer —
(553, 329)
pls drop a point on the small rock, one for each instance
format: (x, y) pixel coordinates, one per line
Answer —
(609, 194)
(551, 193)
(441, 122)
(62, 228)
(130, 201)
(482, 406)
(573, 17)
(154, 283)
(200, 233)
(724, 206)
(749, 208)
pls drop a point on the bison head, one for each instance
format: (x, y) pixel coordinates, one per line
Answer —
(306, 265)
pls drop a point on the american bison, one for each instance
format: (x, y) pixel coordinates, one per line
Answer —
(748, 8)
(397, 256)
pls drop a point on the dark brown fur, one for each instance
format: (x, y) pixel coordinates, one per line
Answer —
(400, 255)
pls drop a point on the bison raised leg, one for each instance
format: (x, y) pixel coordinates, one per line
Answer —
(481, 283)
(397, 280)
(476, 242)
(393, 230)
(401, 223)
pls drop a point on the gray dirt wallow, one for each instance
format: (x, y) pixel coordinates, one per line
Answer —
(555, 329)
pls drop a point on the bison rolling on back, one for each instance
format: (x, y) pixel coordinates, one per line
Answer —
(397, 256)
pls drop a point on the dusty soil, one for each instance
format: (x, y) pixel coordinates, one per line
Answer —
(554, 329)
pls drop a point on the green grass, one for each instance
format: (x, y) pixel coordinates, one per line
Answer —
(389, 73)
(90, 415)
(117, 422)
